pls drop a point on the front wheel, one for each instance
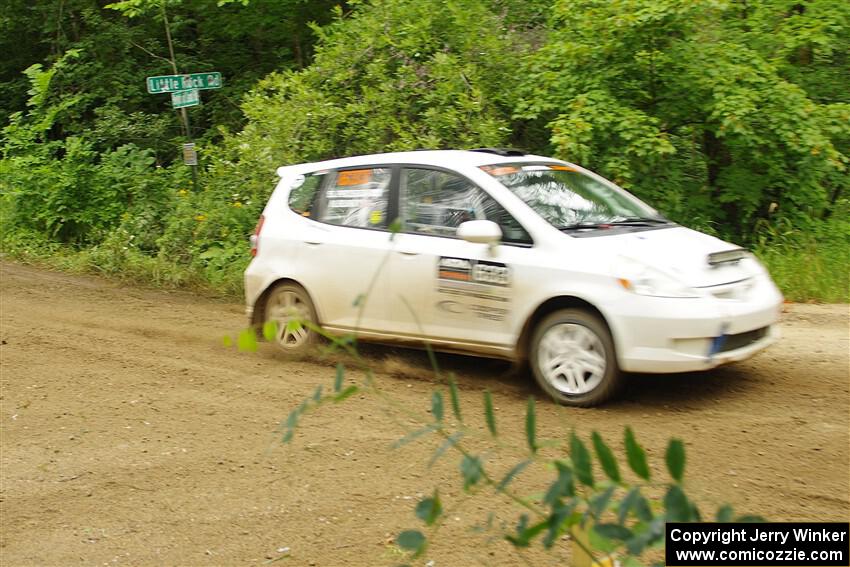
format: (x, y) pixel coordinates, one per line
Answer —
(286, 303)
(572, 358)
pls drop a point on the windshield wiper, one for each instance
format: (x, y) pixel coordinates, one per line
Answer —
(639, 221)
(585, 225)
(627, 221)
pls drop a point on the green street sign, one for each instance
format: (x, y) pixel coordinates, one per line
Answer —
(174, 83)
(182, 99)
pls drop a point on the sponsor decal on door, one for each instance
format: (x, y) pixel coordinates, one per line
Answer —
(469, 288)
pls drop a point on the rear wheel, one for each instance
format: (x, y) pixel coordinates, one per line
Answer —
(289, 302)
(572, 358)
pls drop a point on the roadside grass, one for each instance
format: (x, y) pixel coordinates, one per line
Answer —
(119, 263)
(810, 272)
(809, 266)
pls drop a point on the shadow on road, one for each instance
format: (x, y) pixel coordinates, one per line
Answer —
(651, 391)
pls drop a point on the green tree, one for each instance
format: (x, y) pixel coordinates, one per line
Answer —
(393, 75)
(688, 105)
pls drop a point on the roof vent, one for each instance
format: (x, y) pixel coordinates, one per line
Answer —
(504, 152)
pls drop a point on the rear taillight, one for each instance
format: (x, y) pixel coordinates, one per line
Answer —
(255, 238)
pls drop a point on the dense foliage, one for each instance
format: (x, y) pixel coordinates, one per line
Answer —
(730, 116)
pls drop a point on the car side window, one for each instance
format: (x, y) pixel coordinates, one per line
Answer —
(357, 198)
(436, 202)
(302, 196)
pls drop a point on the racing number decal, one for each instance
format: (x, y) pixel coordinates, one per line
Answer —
(473, 271)
(473, 288)
(490, 273)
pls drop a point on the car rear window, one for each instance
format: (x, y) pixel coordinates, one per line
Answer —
(357, 198)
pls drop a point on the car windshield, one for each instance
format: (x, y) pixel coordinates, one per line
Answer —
(569, 198)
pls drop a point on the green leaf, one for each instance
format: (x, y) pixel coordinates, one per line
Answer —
(676, 504)
(562, 486)
(599, 502)
(292, 418)
(581, 460)
(613, 531)
(449, 442)
(524, 533)
(413, 436)
(437, 406)
(642, 509)
(429, 509)
(518, 468)
(346, 393)
(601, 543)
(653, 533)
(606, 458)
(556, 523)
(455, 397)
(636, 455)
(695, 515)
(750, 519)
(725, 514)
(317, 394)
(627, 503)
(488, 413)
(531, 425)
(290, 425)
(270, 330)
(247, 341)
(340, 375)
(675, 458)
(294, 325)
(634, 502)
(472, 471)
(412, 540)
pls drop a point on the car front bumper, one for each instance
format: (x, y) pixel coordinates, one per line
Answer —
(662, 335)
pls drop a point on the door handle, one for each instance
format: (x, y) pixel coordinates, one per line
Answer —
(312, 242)
(408, 254)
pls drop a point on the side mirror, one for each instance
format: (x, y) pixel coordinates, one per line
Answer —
(480, 231)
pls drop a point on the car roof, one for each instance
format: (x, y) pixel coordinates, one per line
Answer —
(444, 158)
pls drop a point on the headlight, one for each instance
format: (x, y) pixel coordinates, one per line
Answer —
(643, 280)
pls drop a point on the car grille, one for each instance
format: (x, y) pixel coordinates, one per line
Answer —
(740, 340)
(733, 290)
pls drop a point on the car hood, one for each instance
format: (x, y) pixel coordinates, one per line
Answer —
(683, 254)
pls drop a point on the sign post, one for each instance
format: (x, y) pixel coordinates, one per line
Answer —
(185, 92)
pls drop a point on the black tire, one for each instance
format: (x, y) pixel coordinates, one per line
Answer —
(285, 302)
(573, 359)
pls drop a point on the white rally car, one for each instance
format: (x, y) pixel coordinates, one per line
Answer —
(498, 253)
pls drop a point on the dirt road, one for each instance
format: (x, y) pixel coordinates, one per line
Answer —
(131, 436)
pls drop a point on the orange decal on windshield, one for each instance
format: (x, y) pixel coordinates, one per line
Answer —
(561, 168)
(496, 170)
(353, 177)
